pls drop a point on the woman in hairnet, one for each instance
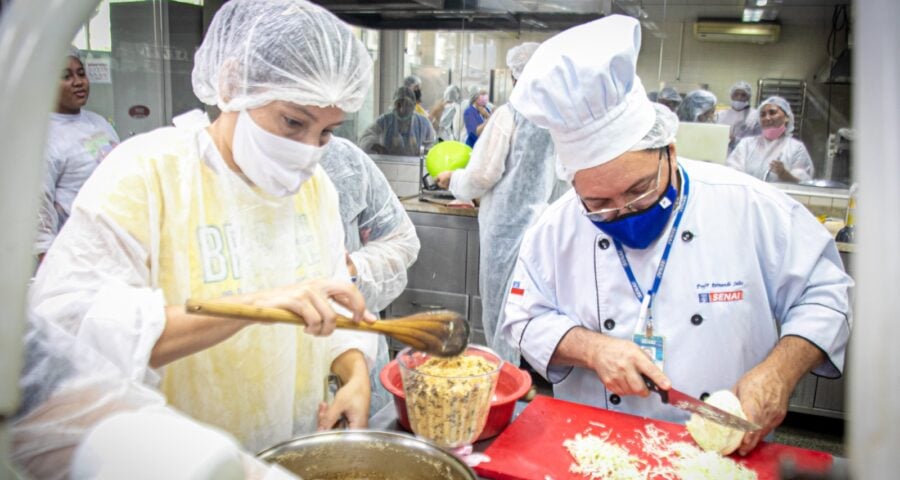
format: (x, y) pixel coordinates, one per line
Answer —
(698, 106)
(670, 98)
(77, 140)
(378, 234)
(740, 116)
(476, 115)
(774, 155)
(238, 211)
(511, 171)
(414, 84)
(401, 131)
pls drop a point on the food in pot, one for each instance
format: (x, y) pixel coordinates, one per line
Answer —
(447, 399)
(713, 437)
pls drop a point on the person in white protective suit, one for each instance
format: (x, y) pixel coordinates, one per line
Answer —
(511, 171)
(670, 98)
(239, 211)
(80, 416)
(401, 131)
(698, 106)
(740, 117)
(774, 155)
(378, 234)
(447, 116)
(730, 283)
(77, 141)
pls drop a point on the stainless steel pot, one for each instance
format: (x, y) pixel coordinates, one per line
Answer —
(366, 454)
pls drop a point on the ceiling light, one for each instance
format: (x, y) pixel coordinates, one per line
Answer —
(762, 3)
(753, 14)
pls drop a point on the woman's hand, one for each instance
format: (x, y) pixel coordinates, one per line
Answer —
(777, 167)
(309, 299)
(443, 179)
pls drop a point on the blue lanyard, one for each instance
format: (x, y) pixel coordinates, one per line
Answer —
(657, 280)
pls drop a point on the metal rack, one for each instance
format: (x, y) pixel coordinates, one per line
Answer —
(794, 91)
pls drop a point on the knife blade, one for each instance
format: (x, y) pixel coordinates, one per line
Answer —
(694, 405)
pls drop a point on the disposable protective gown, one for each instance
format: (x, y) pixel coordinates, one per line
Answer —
(162, 220)
(512, 171)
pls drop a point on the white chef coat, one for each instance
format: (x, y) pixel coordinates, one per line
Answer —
(749, 265)
(754, 154)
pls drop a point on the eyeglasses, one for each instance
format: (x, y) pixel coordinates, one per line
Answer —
(637, 203)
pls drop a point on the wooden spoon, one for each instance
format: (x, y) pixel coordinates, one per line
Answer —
(440, 332)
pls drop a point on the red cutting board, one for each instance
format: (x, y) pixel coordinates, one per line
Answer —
(531, 447)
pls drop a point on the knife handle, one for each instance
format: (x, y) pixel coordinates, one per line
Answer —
(663, 394)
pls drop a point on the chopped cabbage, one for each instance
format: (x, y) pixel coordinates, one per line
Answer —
(714, 437)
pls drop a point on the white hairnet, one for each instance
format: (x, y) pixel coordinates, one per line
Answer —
(663, 131)
(742, 86)
(74, 52)
(696, 104)
(259, 51)
(783, 105)
(453, 94)
(518, 56)
(669, 94)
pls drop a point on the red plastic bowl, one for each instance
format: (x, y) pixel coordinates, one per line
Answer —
(512, 384)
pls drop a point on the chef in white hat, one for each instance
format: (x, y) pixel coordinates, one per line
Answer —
(724, 281)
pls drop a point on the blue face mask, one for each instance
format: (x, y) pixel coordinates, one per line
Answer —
(639, 229)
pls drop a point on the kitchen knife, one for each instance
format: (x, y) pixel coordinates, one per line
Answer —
(686, 402)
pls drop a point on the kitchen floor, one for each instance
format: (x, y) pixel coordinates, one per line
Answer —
(798, 429)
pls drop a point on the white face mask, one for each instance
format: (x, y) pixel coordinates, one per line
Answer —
(738, 105)
(277, 165)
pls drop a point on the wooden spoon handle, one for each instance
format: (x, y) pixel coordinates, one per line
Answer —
(262, 314)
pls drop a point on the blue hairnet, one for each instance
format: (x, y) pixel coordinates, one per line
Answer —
(453, 94)
(742, 86)
(784, 106)
(411, 81)
(696, 104)
(259, 51)
(669, 94)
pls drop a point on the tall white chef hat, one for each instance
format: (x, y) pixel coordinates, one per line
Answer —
(582, 86)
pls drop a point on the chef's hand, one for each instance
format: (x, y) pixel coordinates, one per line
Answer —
(309, 299)
(764, 395)
(352, 399)
(620, 363)
(443, 179)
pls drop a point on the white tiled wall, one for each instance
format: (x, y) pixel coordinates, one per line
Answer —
(403, 177)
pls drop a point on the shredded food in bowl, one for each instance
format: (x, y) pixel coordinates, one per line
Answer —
(448, 399)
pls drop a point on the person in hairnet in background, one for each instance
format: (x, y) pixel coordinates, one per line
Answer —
(238, 212)
(476, 115)
(446, 117)
(511, 170)
(77, 141)
(670, 98)
(740, 116)
(414, 84)
(629, 260)
(774, 155)
(401, 131)
(379, 236)
(698, 106)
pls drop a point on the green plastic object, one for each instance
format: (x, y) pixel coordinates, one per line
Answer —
(446, 156)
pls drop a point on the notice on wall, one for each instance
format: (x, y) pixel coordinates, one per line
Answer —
(98, 70)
